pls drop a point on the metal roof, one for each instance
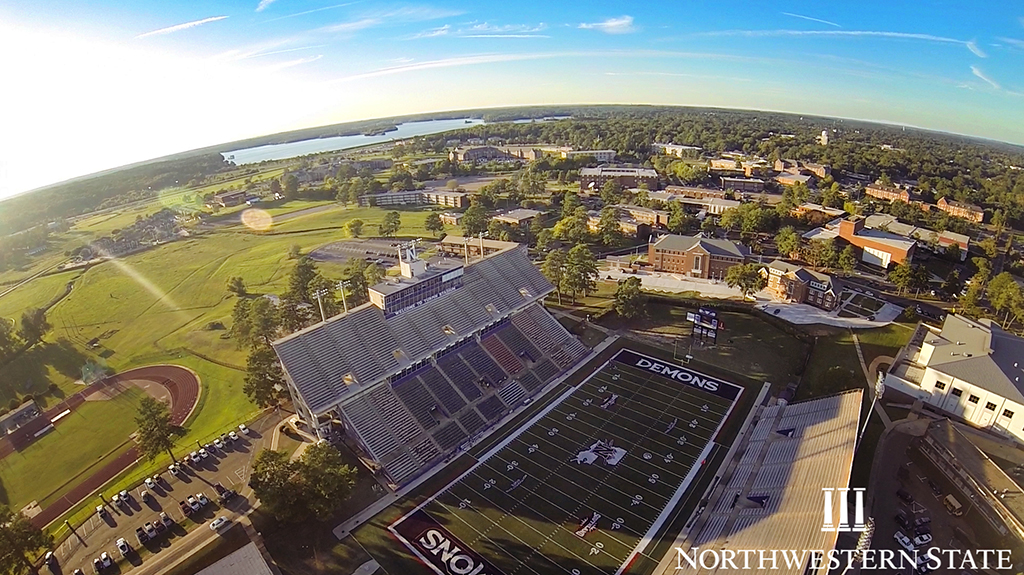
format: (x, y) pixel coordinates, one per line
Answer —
(711, 245)
(980, 353)
(353, 350)
(245, 561)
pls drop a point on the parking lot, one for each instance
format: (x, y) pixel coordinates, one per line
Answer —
(228, 467)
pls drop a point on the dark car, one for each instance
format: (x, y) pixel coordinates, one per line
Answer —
(925, 529)
(185, 508)
(905, 495)
(935, 488)
(903, 521)
(140, 533)
(923, 520)
(219, 488)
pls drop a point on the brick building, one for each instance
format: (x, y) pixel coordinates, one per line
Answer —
(968, 212)
(696, 256)
(753, 185)
(592, 179)
(796, 284)
(890, 193)
(878, 247)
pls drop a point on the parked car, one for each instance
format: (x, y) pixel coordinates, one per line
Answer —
(125, 495)
(49, 558)
(903, 521)
(922, 540)
(140, 534)
(166, 519)
(97, 564)
(106, 559)
(150, 530)
(923, 520)
(193, 503)
(159, 526)
(218, 443)
(101, 511)
(116, 499)
(233, 436)
(123, 547)
(145, 496)
(202, 499)
(186, 508)
(935, 488)
(217, 523)
(905, 495)
(203, 453)
(243, 429)
(219, 488)
(150, 483)
(904, 541)
(77, 572)
(174, 469)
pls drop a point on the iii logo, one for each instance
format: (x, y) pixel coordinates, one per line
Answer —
(844, 524)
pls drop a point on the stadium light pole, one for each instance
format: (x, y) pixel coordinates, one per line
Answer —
(341, 286)
(863, 544)
(878, 390)
(319, 295)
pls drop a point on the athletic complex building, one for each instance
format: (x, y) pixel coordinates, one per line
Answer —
(435, 357)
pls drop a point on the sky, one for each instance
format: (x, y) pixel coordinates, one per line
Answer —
(93, 85)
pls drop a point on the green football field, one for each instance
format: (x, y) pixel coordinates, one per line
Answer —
(582, 488)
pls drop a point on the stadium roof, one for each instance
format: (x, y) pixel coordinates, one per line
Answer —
(245, 561)
(773, 498)
(332, 359)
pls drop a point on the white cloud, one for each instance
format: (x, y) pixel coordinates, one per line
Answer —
(977, 72)
(487, 28)
(433, 32)
(970, 45)
(620, 25)
(303, 13)
(505, 36)
(1013, 42)
(263, 5)
(179, 27)
(352, 26)
(811, 19)
(292, 63)
(382, 18)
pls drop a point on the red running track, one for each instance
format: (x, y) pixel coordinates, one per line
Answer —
(183, 387)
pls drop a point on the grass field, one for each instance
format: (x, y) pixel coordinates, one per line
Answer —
(578, 489)
(87, 435)
(834, 365)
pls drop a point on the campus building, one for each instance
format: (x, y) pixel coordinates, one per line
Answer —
(792, 283)
(676, 150)
(930, 239)
(228, 199)
(592, 179)
(651, 217)
(436, 357)
(788, 179)
(696, 256)
(877, 247)
(750, 185)
(435, 197)
(889, 193)
(969, 212)
(519, 218)
(970, 369)
(477, 153)
(599, 155)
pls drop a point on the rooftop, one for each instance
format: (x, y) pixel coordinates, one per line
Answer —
(618, 171)
(245, 561)
(981, 353)
(435, 267)
(711, 245)
(517, 215)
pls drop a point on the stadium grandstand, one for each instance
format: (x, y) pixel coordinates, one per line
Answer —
(772, 497)
(436, 356)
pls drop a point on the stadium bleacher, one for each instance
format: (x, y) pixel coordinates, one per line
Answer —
(482, 363)
(471, 421)
(449, 436)
(417, 400)
(442, 390)
(545, 370)
(461, 375)
(503, 355)
(517, 343)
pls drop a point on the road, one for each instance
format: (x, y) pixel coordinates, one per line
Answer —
(230, 468)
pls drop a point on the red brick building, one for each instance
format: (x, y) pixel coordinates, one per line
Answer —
(890, 193)
(968, 212)
(878, 247)
(796, 284)
(696, 256)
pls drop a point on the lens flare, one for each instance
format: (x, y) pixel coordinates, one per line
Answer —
(257, 219)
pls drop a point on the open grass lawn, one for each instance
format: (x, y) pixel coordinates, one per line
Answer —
(42, 471)
(884, 340)
(34, 294)
(834, 365)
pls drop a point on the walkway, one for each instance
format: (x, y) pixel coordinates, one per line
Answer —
(871, 380)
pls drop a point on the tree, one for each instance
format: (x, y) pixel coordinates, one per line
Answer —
(822, 253)
(19, 540)
(630, 302)
(390, 225)
(8, 339)
(499, 230)
(298, 281)
(236, 285)
(580, 271)
(989, 247)
(474, 220)
(611, 192)
(1004, 294)
(294, 313)
(264, 380)
(906, 277)
(354, 228)
(544, 238)
(574, 228)
(291, 186)
(373, 274)
(263, 321)
(433, 223)
(554, 270)
(326, 480)
(275, 482)
(294, 252)
(745, 277)
(33, 326)
(155, 428)
(241, 327)
(953, 285)
(709, 226)
(570, 202)
(787, 241)
(848, 259)
(608, 228)
(678, 220)
(275, 186)
(452, 184)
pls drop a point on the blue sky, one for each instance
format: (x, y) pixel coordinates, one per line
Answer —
(101, 84)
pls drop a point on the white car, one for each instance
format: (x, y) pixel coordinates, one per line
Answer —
(106, 560)
(174, 470)
(202, 499)
(218, 444)
(125, 495)
(922, 540)
(101, 511)
(193, 503)
(203, 453)
(233, 436)
(123, 547)
(904, 541)
(218, 523)
(150, 483)
(194, 457)
(243, 428)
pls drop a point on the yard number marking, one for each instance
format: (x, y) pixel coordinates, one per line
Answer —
(553, 432)
(602, 389)
(704, 408)
(532, 448)
(489, 483)
(587, 402)
(653, 478)
(464, 504)
(512, 465)
(669, 458)
(693, 424)
(681, 440)
(617, 524)
(636, 500)
(598, 546)
(571, 416)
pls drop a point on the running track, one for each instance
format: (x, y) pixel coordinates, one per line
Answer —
(181, 384)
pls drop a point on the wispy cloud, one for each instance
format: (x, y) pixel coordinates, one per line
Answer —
(303, 13)
(404, 14)
(970, 45)
(263, 5)
(274, 52)
(291, 63)
(977, 72)
(352, 26)
(680, 75)
(433, 32)
(802, 17)
(485, 30)
(620, 25)
(973, 47)
(1013, 42)
(488, 28)
(179, 27)
(505, 36)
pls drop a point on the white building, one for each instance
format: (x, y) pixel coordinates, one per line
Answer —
(972, 370)
(599, 155)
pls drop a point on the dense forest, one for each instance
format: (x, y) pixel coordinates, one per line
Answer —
(986, 173)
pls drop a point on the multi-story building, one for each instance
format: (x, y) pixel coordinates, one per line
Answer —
(696, 256)
(477, 153)
(878, 247)
(930, 239)
(970, 369)
(756, 168)
(751, 185)
(800, 167)
(228, 199)
(796, 284)
(691, 192)
(884, 192)
(520, 218)
(968, 212)
(592, 179)
(818, 211)
(444, 198)
(451, 218)
(676, 150)
(653, 218)
(788, 179)
(725, 165)
(599, 155)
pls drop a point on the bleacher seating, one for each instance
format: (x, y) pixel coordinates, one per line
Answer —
(548, 324)
(505, 358)
(529, 327)
(448, 436)
(471, 421)
(397, 417)
(442, 390)
(460, 374)
(418, 401)
(402, 467)
(530, 382)
(491, 408)
(569, 353)
(545, 370)
(518, 344)
(370, 427)
(482, 363)
(426, 450)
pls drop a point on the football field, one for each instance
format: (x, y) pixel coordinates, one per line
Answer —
(585, 484)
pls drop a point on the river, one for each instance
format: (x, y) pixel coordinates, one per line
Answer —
(318, 145)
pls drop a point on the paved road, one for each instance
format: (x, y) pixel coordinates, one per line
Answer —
(231, 468)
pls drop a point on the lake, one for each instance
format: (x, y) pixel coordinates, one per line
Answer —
(335, 143)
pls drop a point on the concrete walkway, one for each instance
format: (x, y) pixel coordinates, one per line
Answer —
(871, 382)
(804, 314)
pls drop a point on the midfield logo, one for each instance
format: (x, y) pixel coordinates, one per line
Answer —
(844, 524)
